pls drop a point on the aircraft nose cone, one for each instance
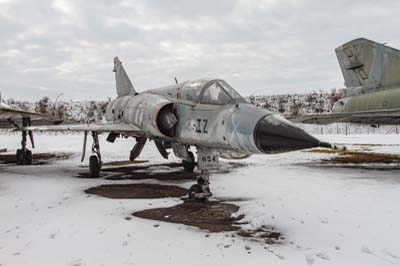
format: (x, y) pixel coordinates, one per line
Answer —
(274, 134)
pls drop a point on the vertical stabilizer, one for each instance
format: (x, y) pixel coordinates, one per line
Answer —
(368, 64)
(123, 83)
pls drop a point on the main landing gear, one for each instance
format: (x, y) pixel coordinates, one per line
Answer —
(24, 155)
(95, 162)
(189, 165)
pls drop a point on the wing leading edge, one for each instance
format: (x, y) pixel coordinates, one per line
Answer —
(382, 117)
(6, 113)
(101, 127)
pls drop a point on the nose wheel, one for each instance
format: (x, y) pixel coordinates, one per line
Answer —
(201, 191)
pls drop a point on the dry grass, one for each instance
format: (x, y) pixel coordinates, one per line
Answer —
(365, 157)
(357, 157)
(326, 151)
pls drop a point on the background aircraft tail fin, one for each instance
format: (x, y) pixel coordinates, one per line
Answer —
(369, 64)
(123, 83)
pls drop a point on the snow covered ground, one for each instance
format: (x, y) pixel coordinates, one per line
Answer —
(329, 216)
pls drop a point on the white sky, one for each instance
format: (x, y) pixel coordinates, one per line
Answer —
(258, 46)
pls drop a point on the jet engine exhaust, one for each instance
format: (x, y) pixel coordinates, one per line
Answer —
(166, 120)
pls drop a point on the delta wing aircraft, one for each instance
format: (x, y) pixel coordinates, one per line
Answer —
(371, 73)
(207, 114)
(19, 118)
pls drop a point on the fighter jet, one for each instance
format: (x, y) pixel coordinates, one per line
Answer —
(207, 114)
(7, 112)
(18, 118)
(371, 73)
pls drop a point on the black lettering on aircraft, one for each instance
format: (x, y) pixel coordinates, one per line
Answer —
(201, 126)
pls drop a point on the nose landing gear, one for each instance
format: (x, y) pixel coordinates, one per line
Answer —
(206, 160)
(201, 191)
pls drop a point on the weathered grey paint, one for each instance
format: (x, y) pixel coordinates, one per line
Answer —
(206, 113)
(372, 76)
(225, 127)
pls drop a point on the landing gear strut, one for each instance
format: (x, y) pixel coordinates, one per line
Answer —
(95, 162)
(189, 165)
(24, 156)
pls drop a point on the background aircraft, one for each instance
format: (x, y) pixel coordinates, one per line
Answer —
(10, 117)
(208, 114)
(371, 73)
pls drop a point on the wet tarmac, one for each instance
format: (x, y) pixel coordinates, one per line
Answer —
(37, 158)
(265, 234)
(215, 215)
(137, 191)
(211, 216)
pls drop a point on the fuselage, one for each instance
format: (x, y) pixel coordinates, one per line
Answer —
(4, 106)
(359, 100)
(208, 113)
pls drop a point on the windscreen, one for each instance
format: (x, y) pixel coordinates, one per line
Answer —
(231, 91)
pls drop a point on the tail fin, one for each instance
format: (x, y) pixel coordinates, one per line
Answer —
(123, 83)
(369, 64)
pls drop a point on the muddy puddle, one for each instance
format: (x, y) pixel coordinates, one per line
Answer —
(162, 172)
(37, 158)
(212, 216)
(137, 191)
(264, 233)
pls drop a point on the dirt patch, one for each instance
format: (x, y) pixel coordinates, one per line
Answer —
(38, 158)
(162, 172)
(141, 172)
(358, 157)
(125, 166)
(265, 234)
(365, 157)
(211, 216)
(137, 191)
(325, 151)
(353, 157)
(135, 166)
(162, 176)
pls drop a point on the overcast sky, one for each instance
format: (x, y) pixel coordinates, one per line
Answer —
(258, 46)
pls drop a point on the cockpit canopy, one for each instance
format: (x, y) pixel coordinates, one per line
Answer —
(217, 92)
